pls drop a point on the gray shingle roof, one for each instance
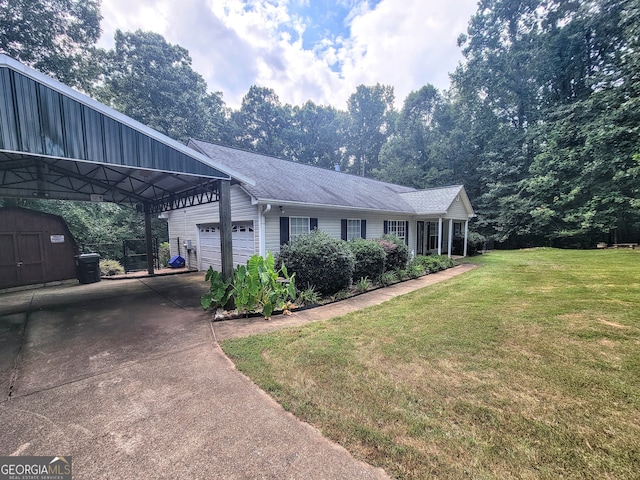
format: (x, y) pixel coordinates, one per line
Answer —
(278, 180)
(432, 201)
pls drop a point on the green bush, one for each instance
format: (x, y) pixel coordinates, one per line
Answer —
(164, 254)
(319, 261)
(396, 252)
(475, 244)
(434, 263)
(109, 268)
(370, 258)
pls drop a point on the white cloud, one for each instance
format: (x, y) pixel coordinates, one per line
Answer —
(238, 43)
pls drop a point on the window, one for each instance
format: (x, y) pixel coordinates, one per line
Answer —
(298, 226)
(457, 229)
(397, 228)
(354, 229)
(433, 235)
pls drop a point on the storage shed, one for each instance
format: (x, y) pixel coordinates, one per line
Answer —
(35, 247)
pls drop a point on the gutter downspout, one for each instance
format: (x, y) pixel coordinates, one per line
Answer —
(262, 235)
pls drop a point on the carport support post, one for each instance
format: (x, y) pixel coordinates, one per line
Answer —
(148, 238)
(226, 246)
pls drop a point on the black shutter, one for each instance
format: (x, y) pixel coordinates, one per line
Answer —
(343, 229)
(363, 228)
(406, 233)
(386, 227)
(313, 224)
(284, 230)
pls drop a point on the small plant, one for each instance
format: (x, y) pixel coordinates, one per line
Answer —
(259, 286)
(402, 274)
(109, 268)
(309, 296)
(416, 270)
(219, 291)
(387, 278)
(363, 284)
(342, 294)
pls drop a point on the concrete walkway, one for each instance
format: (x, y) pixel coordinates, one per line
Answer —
(128, 379)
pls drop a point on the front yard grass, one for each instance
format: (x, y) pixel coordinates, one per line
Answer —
(528, 367)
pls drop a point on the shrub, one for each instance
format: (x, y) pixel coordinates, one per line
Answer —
(109, 268)
(416, 270)
(475, 244)
(396, 252)
(319, 261)
(369, 256)
(434, 263)
(164, 254)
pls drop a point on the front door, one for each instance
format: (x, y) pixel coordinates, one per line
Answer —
(21, 259)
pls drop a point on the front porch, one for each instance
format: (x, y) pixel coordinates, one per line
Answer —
(436, 236)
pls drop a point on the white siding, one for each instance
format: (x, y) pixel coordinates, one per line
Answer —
(329, 222)
(183, 223)
(457, 210)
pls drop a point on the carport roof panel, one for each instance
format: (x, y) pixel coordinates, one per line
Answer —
(40, 118)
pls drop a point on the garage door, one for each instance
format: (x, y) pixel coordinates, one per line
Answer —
(242, 237)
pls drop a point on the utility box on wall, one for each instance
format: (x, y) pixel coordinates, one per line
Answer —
(35, 247)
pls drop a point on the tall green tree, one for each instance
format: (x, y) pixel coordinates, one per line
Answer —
(152, 81)
(406, 157)
(317, 135)
(372, 117)
(56, 37)
(499, 81)
(261, 123)
(583, 186)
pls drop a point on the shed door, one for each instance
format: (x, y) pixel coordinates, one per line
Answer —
(242, 237)
(21, 259)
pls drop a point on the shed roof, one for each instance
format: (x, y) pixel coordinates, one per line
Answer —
(286, 182)
(58, 143)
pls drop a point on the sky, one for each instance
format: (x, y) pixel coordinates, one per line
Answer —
(318, 50)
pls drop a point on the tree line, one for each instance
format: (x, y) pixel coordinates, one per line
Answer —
(540, 122)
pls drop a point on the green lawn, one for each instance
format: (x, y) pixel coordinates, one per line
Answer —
(527, 367)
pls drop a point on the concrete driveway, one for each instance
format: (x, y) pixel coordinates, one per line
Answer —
(125, 376)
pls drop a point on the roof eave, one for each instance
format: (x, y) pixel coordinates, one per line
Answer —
(289, 203)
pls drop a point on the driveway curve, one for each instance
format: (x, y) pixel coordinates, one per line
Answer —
(126, 377)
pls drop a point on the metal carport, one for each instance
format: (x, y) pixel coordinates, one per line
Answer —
(57, 143)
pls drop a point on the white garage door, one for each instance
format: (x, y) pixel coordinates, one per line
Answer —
(242, 237)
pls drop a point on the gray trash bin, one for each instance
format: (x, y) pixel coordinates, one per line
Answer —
(88, 267)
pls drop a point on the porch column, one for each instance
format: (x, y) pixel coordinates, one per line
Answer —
(440, 236)
(148, 236)
(466, 235)
(450, 239)
(226, 245)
